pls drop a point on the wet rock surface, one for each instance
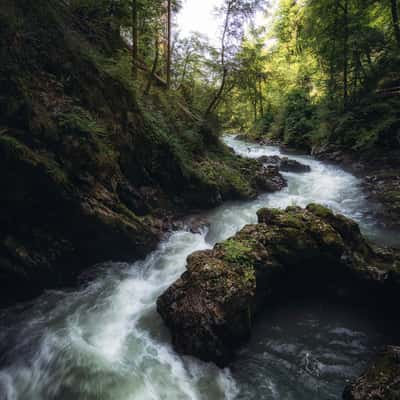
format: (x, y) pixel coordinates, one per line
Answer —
(285, 164)
(210, 310)
(380, 381)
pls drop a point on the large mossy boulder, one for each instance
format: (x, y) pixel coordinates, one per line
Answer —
(380, 381)
(210, 310)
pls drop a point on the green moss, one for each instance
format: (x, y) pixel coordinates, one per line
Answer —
(292, 221)
(13, 150)
(236, 252)
(225, 177)
(80, 122)
(249, 275)
(55, 172)
(319, 211)
(268, 215)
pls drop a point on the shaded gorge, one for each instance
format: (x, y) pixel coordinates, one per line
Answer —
(106, 340)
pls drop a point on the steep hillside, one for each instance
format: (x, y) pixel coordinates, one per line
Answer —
(90, 168)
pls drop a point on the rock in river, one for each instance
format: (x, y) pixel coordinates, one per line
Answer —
(381, 380)
(285, 164)
(210, 310)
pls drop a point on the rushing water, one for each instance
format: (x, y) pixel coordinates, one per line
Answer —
(106, 341)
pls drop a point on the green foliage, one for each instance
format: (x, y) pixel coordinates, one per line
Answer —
(299, 124)
(11, 149)
(369, 124)
(78, 121)
(332, 75)
(264, 123)
(295, 123)
(100, 10)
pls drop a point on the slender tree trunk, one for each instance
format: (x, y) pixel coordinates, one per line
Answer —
(184, 72)
(357, 73)
(395, 17)
(154, 68)
(113, 24)
(333, 55)
(255, 101)
(346, 53)
(216, 99)
(135, 39)
(169, 37)
(218, 95)
(261, 101)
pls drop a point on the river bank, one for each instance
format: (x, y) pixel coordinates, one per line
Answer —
(380, 172)
(105, 339)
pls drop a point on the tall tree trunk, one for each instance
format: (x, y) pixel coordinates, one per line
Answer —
(395, 17)
(346, 53)
(184, 72)
(154, 68)
(135, 39)
(357, 73)
(169, 37)
(261, 100)
(333, 54)
(255, 101)
(218, 94)
(216, 99)
(113, 24)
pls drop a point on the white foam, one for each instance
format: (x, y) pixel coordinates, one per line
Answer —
(107, 341)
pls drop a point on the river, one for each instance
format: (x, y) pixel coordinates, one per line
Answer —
(105, 340)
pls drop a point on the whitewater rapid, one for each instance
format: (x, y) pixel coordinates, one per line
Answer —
(105, 341)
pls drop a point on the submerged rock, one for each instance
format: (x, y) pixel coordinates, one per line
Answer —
(271, 160)
(380, 381)
(210, 310)
(289, 165)
(285, 164)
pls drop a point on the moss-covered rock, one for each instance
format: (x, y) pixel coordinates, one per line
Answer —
(380, 381)
(296, 252)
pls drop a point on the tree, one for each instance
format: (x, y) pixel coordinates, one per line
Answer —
(345, 52)
(251, 76)
(234, 13)
(169, 35)
(154, 67)
(395, 18)
(135, 37)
